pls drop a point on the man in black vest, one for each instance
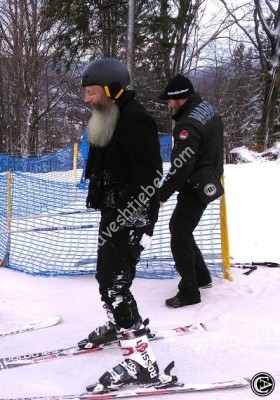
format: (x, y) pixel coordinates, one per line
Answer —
(195, 172)
(124, 159)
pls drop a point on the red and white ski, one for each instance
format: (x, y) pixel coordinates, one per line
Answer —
(19, 361)
(136, 391)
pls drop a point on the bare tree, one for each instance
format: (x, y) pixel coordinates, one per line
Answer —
(42, 43)
(31, 88)
(263, 33)
(130, 43)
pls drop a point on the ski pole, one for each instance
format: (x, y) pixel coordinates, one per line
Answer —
(268, 264)
(248, 266)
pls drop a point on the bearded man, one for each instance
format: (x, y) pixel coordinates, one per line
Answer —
(124, 159)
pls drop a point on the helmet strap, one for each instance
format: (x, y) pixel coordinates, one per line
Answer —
(107, 91)
(120, 92)
(111, 92)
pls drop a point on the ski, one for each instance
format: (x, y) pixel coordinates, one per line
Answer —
(19, 361)
(32, 326)
(138, 391)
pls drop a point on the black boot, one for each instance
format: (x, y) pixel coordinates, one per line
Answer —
(101, 335)
(107, 333)
(184, 299)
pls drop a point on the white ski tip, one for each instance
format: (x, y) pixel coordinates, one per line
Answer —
(48, 322)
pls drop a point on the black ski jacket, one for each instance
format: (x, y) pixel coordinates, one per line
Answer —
(129, 167)
(198, 143)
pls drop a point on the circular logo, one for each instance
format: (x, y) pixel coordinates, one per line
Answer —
(262, 384)
(210, 189)
(183, 134)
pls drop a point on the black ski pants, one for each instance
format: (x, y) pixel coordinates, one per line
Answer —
(118, 254)
(188, 259)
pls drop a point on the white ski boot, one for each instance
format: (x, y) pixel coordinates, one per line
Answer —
(139, 366)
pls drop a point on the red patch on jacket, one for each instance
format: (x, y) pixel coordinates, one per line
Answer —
(183, 134)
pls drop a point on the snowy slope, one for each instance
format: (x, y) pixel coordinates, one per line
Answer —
(242, 316)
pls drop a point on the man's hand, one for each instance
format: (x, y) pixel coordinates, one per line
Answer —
(161, 204)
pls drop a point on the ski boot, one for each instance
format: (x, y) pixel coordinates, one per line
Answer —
(102, 334)
(165, 380)
(139, 366)
(107, 333)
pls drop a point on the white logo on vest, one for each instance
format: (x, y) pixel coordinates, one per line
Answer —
(210, 189)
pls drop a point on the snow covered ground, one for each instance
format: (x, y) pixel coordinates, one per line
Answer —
(242, 316)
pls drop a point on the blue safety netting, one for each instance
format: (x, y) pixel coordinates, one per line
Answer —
(45, 228)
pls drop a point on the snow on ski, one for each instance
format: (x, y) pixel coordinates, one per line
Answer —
(32, 326)
(138, 391)
(19, 361)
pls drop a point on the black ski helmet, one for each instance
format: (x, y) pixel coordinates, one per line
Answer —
(110, 73)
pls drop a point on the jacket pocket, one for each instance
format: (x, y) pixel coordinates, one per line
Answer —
(206, 184)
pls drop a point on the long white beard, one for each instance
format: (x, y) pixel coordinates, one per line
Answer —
(101, 125)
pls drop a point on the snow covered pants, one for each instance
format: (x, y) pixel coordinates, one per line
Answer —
(118, 254)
